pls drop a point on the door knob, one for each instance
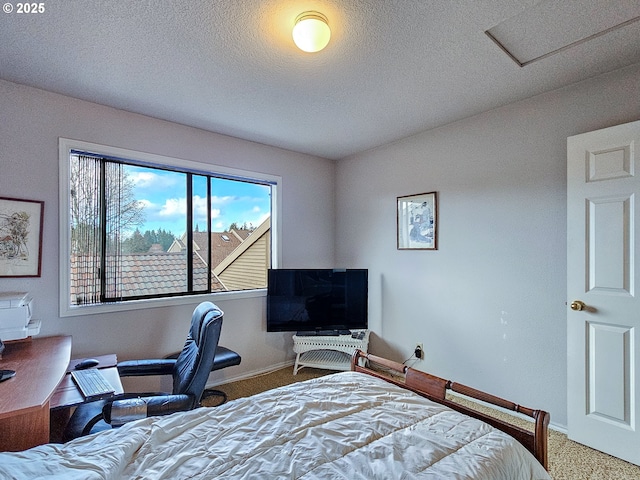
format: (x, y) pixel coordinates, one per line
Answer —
(578, 305)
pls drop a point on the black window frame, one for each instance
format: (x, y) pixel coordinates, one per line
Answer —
(67, 149)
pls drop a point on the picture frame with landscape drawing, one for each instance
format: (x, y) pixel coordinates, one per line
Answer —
(417, 221)
(20, 237)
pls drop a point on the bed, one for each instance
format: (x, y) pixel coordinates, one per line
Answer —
(379, 421)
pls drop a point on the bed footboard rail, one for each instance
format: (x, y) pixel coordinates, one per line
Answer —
(435, 388)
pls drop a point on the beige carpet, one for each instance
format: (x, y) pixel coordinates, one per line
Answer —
(568, 460)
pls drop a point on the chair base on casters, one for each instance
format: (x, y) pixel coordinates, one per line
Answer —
(85, 421)
(224, 358)
(209, 392)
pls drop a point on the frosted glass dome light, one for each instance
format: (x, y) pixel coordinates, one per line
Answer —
(311, 32)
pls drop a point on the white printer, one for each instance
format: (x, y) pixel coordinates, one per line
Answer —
(15, 316)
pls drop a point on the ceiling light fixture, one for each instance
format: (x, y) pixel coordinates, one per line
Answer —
(311, 32)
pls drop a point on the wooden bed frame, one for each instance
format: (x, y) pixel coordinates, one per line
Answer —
(435, 388)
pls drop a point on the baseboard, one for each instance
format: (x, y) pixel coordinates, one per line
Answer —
(552, 426)
(558, 428)
(253, 373)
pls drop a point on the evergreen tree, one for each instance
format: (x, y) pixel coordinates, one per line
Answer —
(141, 243)
(136, 243)
(165, 238)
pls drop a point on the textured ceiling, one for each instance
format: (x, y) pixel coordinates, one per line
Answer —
(392, 68)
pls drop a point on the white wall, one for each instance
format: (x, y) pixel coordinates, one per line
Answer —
(489, 305)
(30, 124)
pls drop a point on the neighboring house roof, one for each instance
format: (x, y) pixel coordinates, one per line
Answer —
(156, 273)
(177, 246)
(222, 243)
(242, 234)
(247, 265)
(242, 257)
(155, 248)
(140, 275)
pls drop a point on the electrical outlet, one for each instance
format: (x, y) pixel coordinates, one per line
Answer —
(418, 352)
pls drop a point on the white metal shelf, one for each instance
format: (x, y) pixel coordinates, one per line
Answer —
(327, 352)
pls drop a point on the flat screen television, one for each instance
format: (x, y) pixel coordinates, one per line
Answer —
(317, 301)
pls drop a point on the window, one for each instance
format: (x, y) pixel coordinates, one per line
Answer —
(140, 227)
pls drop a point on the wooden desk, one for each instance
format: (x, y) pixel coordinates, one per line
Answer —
(40, 365)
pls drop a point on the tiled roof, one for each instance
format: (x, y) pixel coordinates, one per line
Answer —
(243, 234)
(148, 274)
(222, 244)
(157, 272)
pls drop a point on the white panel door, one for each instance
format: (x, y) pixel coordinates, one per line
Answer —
(603, 310)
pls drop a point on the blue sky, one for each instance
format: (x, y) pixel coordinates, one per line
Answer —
(164, 197)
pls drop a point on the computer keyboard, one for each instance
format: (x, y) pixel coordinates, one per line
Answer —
(92, 383)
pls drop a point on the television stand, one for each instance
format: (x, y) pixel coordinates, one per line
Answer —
(330, 352)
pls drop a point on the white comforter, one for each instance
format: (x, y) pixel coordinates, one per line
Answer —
(343, 426)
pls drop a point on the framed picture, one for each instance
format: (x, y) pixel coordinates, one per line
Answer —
(20, 237)
(417, 222)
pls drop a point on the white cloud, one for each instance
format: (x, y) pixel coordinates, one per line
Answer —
(155, 181)
(174, 207)
(215, 200)
(143, 179)
(147, 204)
(199, 206)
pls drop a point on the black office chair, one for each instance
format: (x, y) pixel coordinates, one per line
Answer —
(190, 371)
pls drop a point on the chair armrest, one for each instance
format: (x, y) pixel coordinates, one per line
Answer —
(225, 358)
(120, 412)
(139, 368)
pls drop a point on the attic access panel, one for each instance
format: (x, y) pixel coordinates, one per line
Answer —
(556, 25)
